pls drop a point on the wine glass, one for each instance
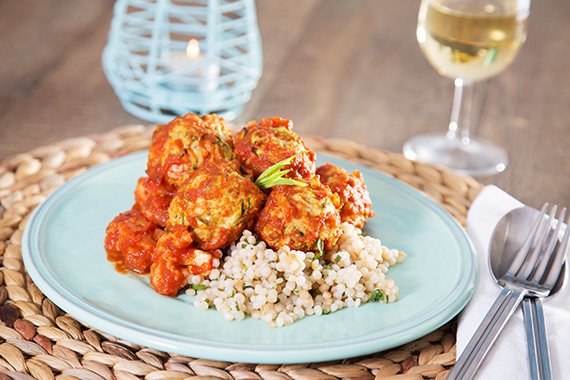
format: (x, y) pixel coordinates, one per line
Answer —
(468, 41)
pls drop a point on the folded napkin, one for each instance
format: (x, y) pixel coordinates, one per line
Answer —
(508, 358)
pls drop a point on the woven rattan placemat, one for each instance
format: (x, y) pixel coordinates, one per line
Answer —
(38, 340)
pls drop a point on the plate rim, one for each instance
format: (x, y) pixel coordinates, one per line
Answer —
(440, 313)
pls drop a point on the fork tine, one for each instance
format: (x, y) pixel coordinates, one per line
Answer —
(523, 251)
(532, 257)
(559, 257)
(547, 253)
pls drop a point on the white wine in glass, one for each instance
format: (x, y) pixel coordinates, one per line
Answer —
(468, 41)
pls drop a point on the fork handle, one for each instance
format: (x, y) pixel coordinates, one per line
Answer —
(487, 333)
(538, 350)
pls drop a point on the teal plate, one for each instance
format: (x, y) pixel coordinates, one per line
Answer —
(63, 253)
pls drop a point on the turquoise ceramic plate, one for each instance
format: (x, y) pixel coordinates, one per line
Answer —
(63, 253)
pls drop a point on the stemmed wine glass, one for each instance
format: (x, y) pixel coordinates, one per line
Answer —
(468, 41)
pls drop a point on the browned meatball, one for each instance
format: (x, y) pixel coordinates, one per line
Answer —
(153, 200)
(261, 145)
(300, 217)
(185, 144)
(130, 241)
(355, 200)
(217, 204)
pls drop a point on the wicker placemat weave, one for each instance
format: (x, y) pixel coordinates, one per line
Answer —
(39, 340)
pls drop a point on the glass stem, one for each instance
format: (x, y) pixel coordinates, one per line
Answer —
(461, 112)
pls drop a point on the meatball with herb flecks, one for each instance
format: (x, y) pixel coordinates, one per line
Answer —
(186, 144)
(303, 218)
(216, 203)
(355, 200)
(130, 240)
(261, 145)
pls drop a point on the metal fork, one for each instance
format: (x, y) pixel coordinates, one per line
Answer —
(526, 276)
(538, 347)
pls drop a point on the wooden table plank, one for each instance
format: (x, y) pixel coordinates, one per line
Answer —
(36, 37)
(337, 68)
(282, 29)
(359, 73)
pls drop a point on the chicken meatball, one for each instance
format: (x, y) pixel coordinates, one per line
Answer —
(261, 145)
(355, 200)
(130, 240)
(175, 258)
(303, 218)
(153, 200)
(217, 204)
(185, 144)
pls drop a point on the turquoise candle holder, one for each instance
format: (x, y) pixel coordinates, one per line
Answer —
(165, 58)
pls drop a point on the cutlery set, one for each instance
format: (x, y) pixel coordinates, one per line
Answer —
(529, 265)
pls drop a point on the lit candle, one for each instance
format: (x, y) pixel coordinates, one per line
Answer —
(192, 71)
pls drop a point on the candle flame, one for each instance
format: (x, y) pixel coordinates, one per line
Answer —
(193, 49)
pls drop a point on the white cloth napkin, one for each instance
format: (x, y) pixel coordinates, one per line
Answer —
(508, 358)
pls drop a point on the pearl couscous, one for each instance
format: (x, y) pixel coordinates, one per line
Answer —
(283, 286)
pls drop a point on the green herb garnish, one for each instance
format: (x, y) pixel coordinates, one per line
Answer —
(325, 312)
(199, 287)
(376, 296)
(320, 249)
(274, 176)
(337, 259)
(247, 287)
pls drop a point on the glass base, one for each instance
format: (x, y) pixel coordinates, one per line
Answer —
(477, 158)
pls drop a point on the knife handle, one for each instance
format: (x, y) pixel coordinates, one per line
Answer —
(487, 333)
(538, 350)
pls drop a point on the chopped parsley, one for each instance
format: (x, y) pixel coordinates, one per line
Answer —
(244, 208)
(337, 259)
(199, 287)
(326, 312)
(376, 296)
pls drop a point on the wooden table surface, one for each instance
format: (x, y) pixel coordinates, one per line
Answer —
(348, 69)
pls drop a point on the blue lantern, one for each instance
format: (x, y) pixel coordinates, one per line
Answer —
(165, 58)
